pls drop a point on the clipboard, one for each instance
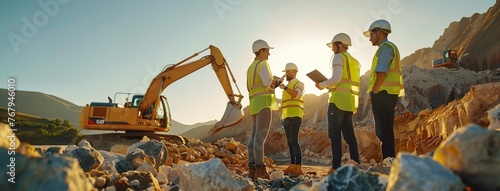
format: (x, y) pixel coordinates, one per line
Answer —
(316, 76)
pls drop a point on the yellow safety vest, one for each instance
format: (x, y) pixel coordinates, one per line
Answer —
(292, 107)
(260, 95)
(393, 82)
(345, 94)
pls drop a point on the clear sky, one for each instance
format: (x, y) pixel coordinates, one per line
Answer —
(84, 51)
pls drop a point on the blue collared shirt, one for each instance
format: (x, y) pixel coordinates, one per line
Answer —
(385, 56)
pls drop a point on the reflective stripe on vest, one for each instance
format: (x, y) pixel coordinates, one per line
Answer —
(345, 94)
(255, 84)
(393, 82)
(292, 107)
(260, 95)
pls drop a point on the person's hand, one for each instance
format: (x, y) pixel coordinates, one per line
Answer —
(317, 86)
(375, 90)
(282, 86)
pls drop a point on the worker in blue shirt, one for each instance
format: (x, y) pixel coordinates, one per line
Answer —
(386, 84)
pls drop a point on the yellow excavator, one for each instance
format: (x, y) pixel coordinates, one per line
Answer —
(146, 114)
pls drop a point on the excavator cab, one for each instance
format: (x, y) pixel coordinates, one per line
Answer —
(161, 115)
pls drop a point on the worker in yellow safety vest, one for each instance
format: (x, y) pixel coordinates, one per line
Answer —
(292, 110)
(260, 85)
(344, 88)
(386, 84)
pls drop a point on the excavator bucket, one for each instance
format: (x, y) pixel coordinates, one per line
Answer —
(232, 116)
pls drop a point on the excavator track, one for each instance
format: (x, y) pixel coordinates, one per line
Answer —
(106, 141)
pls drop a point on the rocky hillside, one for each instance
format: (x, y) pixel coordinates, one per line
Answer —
(475, 38)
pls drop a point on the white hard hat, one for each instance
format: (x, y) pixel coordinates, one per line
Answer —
(341, 37)
(383, 24)
(260, 44)
(291, 66)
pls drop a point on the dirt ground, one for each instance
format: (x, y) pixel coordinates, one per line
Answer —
(307, 167)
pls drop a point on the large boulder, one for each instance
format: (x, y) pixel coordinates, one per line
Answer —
(349, 177)
(110, 161)
(413, 173)
(56, 172)
(136, 157)
(474, 154)
(88, 157)
(154, 149)
(210, 175)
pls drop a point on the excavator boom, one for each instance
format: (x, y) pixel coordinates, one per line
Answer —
(233, 113)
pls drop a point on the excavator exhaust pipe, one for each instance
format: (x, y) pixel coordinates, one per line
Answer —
(232, 116)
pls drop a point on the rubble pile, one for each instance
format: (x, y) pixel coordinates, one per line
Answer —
(469, 157)
(145, 165)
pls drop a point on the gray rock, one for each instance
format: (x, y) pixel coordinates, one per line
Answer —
(142, 180)
(380, 169)
(175, 188)
(173, 175)
(53, 151)
(288, 183)
(153, 148)
(349, 177)
(474, 154)
(494, 118)
(100, 182)
(56, 172)
(110, 160)
(89, 158)
(70, 148)
(275, 184)
(123, 166)
(39, 150)
(136, 157)
(210, 175)
(111, 156)
(415, 173)
(84, 143)
(147, 167)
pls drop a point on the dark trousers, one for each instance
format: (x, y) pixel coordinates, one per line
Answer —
(291, 125)
(383, 105)
(340, 122)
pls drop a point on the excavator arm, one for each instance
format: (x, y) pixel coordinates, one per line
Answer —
(169, 75)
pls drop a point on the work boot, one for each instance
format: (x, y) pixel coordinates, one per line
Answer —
(289, 168)
(331, 171)
(296, 171)
(251, 172)
(261, 172)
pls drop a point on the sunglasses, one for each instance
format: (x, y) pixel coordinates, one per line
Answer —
(374, 31)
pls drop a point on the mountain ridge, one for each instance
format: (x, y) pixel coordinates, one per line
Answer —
(48, 106)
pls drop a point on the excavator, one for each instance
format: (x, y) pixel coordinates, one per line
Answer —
(149, 113)
(449, 60)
